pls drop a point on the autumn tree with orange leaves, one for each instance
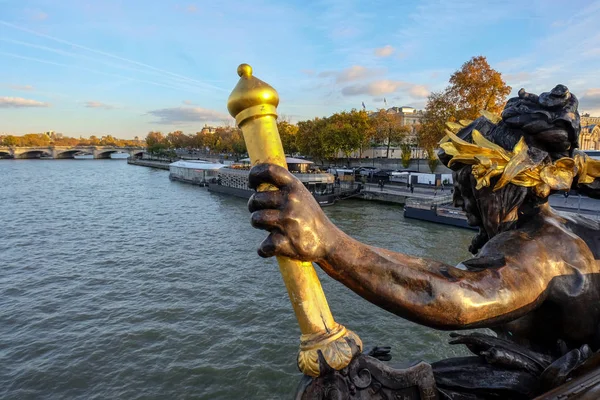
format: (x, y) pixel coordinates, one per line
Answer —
(474, 87)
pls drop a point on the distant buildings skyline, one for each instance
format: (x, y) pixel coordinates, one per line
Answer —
(589, 137)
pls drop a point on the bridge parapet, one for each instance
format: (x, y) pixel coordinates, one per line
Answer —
(65, 151)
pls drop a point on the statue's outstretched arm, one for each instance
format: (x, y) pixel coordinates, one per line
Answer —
(487, 290)
(480, 292)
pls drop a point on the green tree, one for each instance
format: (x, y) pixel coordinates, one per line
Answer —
(342, 134)
(108, 140)
(289, 134)
(199, 140)
(156, 143)
(11, 140)
(178, 140)
(364, 127)
(406, 154)
(35, 140)
(389, 130)
(432, 159)
(238, 144)
(313, 139)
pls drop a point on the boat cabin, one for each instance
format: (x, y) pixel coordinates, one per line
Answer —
(316, 181)
(194, 171)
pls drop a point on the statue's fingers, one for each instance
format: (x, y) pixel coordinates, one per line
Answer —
(266, 200)
(275, 244)
(272, 174)
(266, 219)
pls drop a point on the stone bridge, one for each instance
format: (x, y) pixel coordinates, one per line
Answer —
(63, 152)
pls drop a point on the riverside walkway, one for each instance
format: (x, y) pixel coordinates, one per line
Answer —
(398, 194)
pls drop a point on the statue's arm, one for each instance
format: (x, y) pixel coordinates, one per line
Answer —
(493, 289)
(498, 289)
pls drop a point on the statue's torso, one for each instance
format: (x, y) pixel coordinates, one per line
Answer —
(570, 306)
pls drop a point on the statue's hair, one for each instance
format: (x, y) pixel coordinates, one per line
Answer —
(550, 126)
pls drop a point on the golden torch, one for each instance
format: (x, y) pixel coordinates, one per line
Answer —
(253, 103)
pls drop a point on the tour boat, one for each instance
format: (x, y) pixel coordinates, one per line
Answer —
(233, 180)
(196, 172)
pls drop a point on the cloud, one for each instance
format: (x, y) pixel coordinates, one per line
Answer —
(97, 104)
(375, 88)
(183, 115)
(24, 88)
(353, 73)
(385, 86)
(384, 51)
(308, 72)
(19, 102)
(191, 9)
(419, 91)
(591, 99)
(188, 102)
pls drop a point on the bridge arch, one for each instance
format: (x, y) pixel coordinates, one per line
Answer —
(29, 154)
(5, 154)
(68, 153)
(101, 153)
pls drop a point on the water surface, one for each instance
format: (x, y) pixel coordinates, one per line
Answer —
(118, 283)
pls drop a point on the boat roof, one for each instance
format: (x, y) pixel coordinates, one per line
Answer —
(289, 160)
(343, 170)
(196, 164)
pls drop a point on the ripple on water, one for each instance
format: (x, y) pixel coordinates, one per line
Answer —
(118, 283)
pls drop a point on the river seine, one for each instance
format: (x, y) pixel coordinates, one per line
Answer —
(117, 283)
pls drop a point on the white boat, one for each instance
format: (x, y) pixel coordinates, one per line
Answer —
(119, 156)
(233, 180)
(83, 156)
(197, 172)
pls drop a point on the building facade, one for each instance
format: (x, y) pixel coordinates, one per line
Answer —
(589, 137)
(410, 117)
(587, 120)
(208, 130)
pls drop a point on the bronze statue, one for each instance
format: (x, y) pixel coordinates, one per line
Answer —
(533, 278)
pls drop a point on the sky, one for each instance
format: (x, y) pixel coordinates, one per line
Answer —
(124, 68)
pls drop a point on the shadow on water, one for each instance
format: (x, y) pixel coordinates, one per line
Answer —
(118, 283)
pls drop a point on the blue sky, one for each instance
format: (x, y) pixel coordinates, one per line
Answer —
(126, 67)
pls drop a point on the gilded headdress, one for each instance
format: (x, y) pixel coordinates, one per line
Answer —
(544, 157)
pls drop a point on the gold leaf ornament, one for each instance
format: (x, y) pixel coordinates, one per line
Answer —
(489, 160)
(559, 176)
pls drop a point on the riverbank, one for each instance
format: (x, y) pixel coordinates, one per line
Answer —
(149, 163)
(399, 194)
(442, 213)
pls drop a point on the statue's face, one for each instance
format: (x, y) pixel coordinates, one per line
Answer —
(463, 197)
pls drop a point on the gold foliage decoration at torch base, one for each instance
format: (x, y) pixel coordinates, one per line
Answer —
(333, 345)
